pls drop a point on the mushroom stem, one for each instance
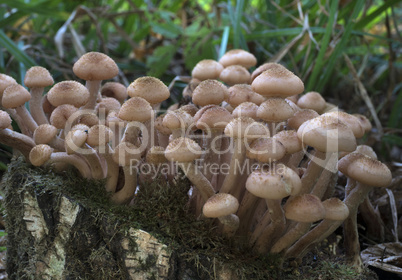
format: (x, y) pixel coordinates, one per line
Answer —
(198, 179)
(17, 141)
(274, 229)
(26, 118)
(238, 157)
(212, 152)
(372, 218)
(35, 106)
(351, 235)
(124, 195)
(112, 171)
(94, 162)
(19, 121)
(290, 237)
(73, 160)
(246, 211)
(314, 236)
(322, 184)
(260, 226)
(93, 88)
(230, 224)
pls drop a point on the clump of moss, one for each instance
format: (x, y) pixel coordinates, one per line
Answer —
(159, 208)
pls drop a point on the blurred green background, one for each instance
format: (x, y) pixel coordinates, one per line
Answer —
(348, 50)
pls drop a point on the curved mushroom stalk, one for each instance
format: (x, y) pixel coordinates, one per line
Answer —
(17, 141)
(125, 195)
(230, 224)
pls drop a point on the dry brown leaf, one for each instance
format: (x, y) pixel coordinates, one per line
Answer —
(386, 256)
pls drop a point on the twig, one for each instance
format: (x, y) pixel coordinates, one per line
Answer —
(364, 94)
(394, 212)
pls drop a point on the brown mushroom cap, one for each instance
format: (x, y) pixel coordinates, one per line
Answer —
(44, 133)
(365, 169)
(108, 104)
(335, 209)
(158, 124)
(312, 100)
(15, 96)
(220, 205)
(61, 115)
(68, 92)
(306, 208)
(156, 155)
(235, 74)
(207, 69)
(238, 57)
(266, 150)
(136, 109)
(151, 89)
(212, 117)
(289, 140)
(275, 110)
(40, 154)
(5, 81)
(275, 182)
(209, 92)
(95, 66)
(99, 135)
(277, 82)
(327, 134)
(177, 119)
(38, 77)
(300, 117)
(115, 90)
(190, 109)
(351, 121)
(245, 127)
(5, 120)
(183, 150)
(243, 93)
(364, 121)
(246, 109)
(264, 67)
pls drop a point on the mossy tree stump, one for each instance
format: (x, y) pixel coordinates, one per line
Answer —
(53, 235)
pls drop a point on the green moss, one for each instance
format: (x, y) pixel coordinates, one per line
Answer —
(160, 208)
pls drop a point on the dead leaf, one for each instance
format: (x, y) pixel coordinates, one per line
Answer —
(386, 256)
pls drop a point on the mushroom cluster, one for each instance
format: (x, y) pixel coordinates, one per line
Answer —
(261, 159)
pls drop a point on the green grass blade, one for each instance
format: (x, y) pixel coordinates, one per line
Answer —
(372, 16)
(42, 8)
(281, 32)
(237, 34)
(324, 45)
(15, 51)
(339, 47)
(224, 41)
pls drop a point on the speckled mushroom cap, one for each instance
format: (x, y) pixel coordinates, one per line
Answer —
(107, 105)
(95, 66)
(68, 92)
(183, 150)
(44, 133)
(5, 81)
(99, 135)
(277, 82)
(366, 150)
(156, 155)
(5, 120)
(312, 100)
(212, 117)
(38, 77)
(190, 109)
(275, 182)
(126, 153)
(151, 89)
(158, 124)
(365, 169)
(306, 208)
(115, 90)
(264, 67)
(177, 119)
(289, 140)
(335, 209)
(266, 150)
(300, 117)
(136, 109)
(246, 109)
(275, 110)
(245, 127)
(209, 92)
(243, 93)
(235, 74)
(351, 121)
(40, 154)
(364, 121)
(327, 134)
(61, 115)
(15, 96)
(207, 69)
(220, 205)
(238, 57)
